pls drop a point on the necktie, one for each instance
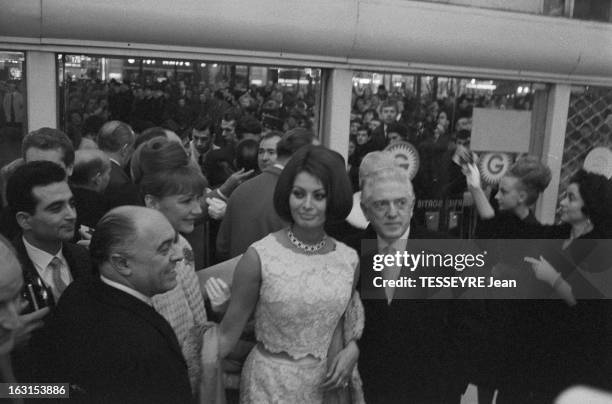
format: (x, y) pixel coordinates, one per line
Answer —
(56, 265)
(390, 273)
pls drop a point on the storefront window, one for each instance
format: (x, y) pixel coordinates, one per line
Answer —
(174, 93)
(431, 116)
(13, 112)
(588, 137)
(594, 10)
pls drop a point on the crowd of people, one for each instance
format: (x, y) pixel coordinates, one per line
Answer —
(107, 243)
(178, 104)
(433, 125)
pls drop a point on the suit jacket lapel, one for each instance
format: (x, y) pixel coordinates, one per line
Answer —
(118, 176)
(30, 274)
(127, 302)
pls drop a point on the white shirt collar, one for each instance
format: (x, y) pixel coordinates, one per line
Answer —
(126, 289)
(114, 161)
(398, 244)
(279, 166)
(41, 259)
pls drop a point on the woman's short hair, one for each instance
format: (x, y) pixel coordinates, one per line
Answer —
(596, 192)
(328, 167)
(533, 175)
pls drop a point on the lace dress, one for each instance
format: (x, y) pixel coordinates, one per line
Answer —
(183, 308)
(301, 299)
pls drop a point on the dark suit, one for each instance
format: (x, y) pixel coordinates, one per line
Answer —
(379, 138)
(219, 164)
(79, 265)
(407, 353)
(120, 190)
(250, 214)
(90, 206)
(113, 347)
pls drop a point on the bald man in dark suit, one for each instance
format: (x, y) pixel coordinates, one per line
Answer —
(105, 338)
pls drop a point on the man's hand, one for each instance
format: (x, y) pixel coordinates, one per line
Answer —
(85, 233)
(216, 208)
(218, 292)
(29, 323)
(543, 270)
(234, 180)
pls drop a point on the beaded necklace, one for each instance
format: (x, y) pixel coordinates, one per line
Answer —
(309, 248)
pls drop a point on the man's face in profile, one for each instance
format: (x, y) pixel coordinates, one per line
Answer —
(153, 255)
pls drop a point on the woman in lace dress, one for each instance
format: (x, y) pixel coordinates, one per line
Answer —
(299, 281)
(174, 186)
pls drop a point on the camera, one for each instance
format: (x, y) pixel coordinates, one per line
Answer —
(37, 295)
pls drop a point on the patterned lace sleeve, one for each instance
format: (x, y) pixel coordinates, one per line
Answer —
(191, 286)
(354, 319)
(354, 316)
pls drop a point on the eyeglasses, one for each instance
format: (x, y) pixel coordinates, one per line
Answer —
(384, 205)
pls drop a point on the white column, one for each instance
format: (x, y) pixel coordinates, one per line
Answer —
(337, 110)
(554, 140)
(42, 90)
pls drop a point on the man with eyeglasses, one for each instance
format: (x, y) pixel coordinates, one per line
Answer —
(404, 351)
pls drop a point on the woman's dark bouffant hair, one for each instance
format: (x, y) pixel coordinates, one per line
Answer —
(328, 167)
(596, 192)
(161, 167)
(156, 155)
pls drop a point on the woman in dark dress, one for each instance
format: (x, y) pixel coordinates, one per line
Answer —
(578, 343)
(502, 329)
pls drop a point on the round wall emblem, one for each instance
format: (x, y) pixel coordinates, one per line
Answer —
(405, 156)
(493, 166)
